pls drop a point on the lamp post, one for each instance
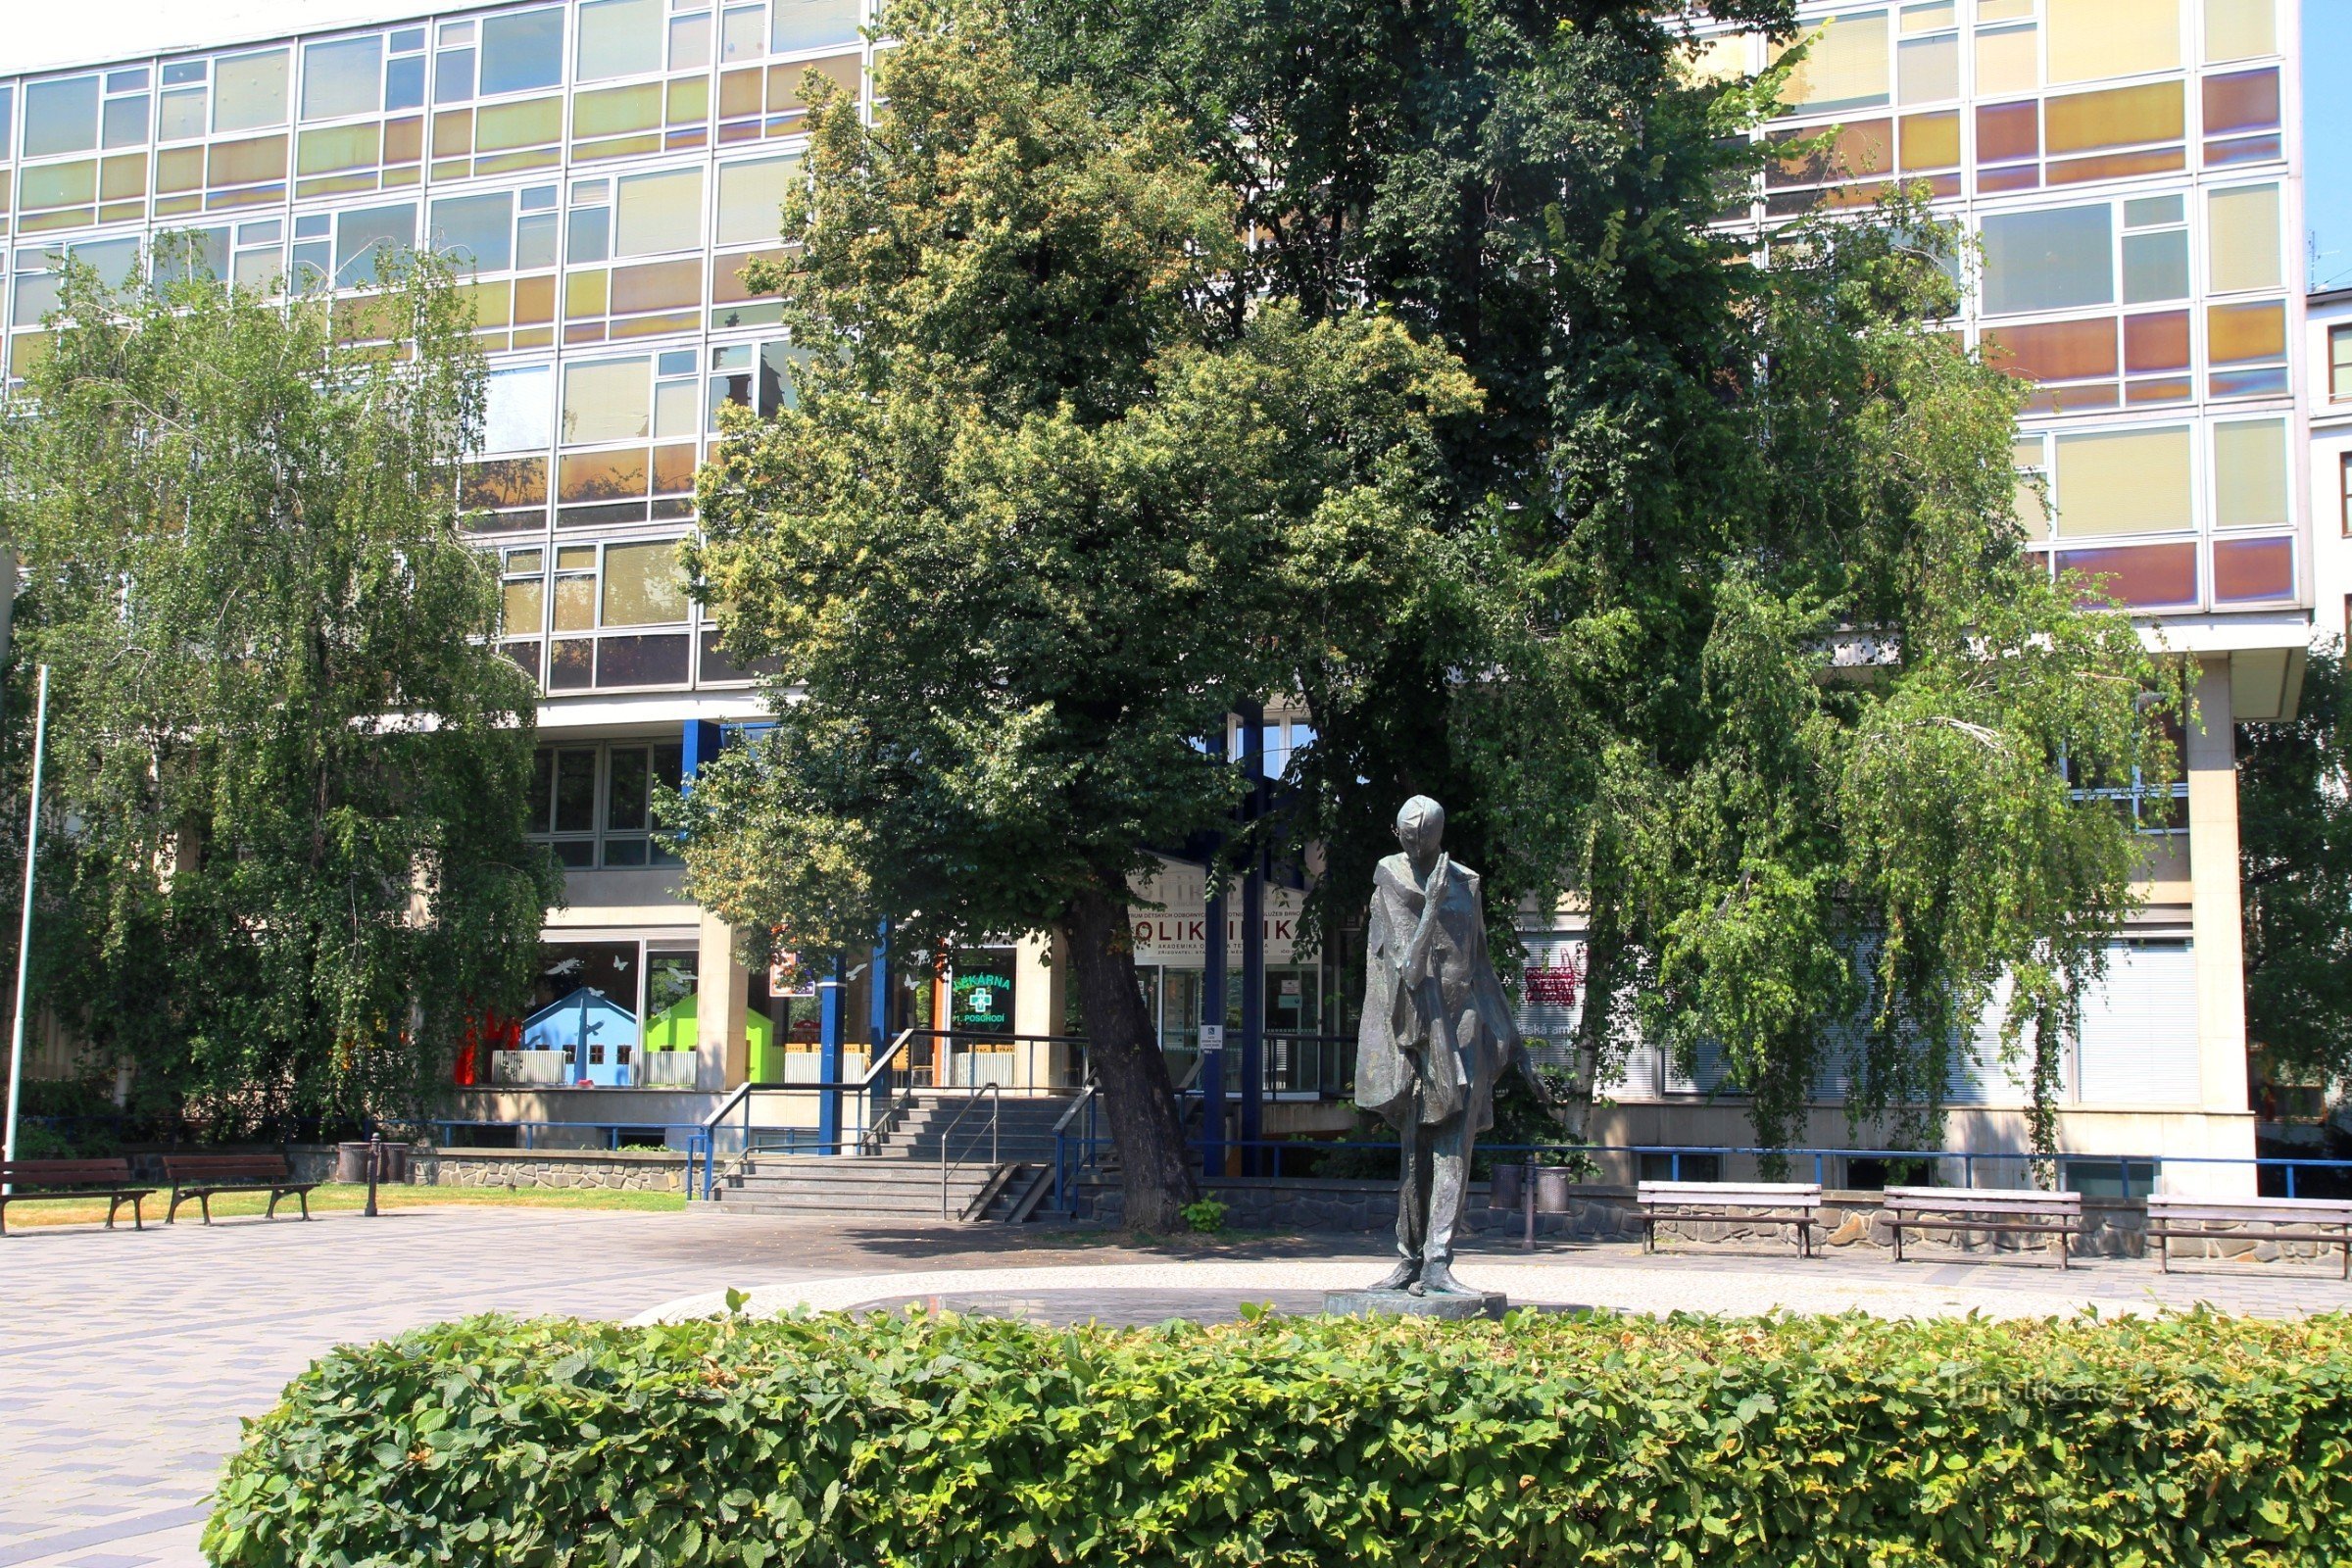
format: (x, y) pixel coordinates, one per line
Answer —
(32, 841)
(375, 1160)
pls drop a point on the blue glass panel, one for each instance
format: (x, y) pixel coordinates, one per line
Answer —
(477, 230)
(342, 77)
(453, 76)
(362, 236)
(522, 49)
(403, 82)
(61, 117)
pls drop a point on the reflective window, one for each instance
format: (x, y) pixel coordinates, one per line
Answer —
(249, 92)
(814, 25)
(1847, 70)
(2090, 39)
(618, 39)
(643, 585)
(364, 239)
(2155, 249)
(2244, 244)
(751, 197)
(342, 77)
(2339, 363)
(61, 117)
(659, 211)
(2124, 481)
(522, 50)
(607, 401)
(2249, 475)
(477, 231)
(2049, 261)
(516, 410)
(2239, 29)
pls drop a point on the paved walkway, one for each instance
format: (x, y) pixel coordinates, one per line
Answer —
(126, 1358)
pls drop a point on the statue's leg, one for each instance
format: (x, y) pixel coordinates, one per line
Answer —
(1411, 1211)
(1448, 1147)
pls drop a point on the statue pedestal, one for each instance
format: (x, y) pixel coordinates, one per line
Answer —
(1404, 1303)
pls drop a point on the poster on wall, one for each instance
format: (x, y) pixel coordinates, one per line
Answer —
(1175, 934)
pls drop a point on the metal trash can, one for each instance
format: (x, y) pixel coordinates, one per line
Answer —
(1508, 1190)
(1553, 1184)
(351, 1164)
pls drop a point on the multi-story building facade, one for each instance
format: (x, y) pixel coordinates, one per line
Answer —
(605, 168)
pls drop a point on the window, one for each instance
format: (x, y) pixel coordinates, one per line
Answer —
(522, 50)
(366, 237)
(524, 591)
(751, 200)
(657, 211)
(828, 23)
(343, 76)
(2249, 475)
(2033, 483)
(2239, 29)
(607, 399)
(2242, 240)
(618, 38)
(2008, 58)
(2057, 259)
(644, 585)
(2124, 482)
(249, 92)
(516, 407)
(764, 386)
(2343, 474)
(2090, 39)
(61, 117)
(2155, 249)
(477, 231)
(1928, 58)
(593, 804)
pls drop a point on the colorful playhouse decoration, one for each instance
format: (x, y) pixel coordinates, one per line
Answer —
(597, 1035)
(674, 1029)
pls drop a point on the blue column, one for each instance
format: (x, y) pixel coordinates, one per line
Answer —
(877, 1015)
(828, 1058)
(1253, 948)
(702, 742)
(1213, 1062)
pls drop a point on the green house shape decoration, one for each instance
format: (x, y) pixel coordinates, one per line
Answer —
(674, 1029)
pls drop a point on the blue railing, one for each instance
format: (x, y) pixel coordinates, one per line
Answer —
(1074, 1153)
(527, 1132)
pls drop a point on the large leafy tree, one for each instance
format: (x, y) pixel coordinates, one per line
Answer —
(2294, 780)
(1052, 503)
(287, 864)
(1789, 710)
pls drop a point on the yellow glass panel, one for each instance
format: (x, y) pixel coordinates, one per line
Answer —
(453, 133)
(608, 400)
(657, 211)
(179, 169)
(575, 604)
(492, 302)
(2241, 29)
(2249, 475)
(1927, 16)
(689, 100)
(123, 177)
(250, 196)
(739, 92)
(1930, 141)
(1720, 59)
(655, 325)
(527, 123)
(512, 163)
(575, 558)
(2124, 481)
(50, 222)
(2008, 61)
(25, 352)
(242, 162)
(616, 110)
(2241, 334)
(2032, 511)
(2120, 117)
(59, 184)
(2003, 10)
(1847, 66)
(337, 147)
(2244, 250)
(2095, 38)
(583, 294)
(173, 206)
(642, 586)
(526, 605)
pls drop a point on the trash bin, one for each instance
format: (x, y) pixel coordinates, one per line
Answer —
(1507, 1191)
(351, 1163)
(1552, 1183)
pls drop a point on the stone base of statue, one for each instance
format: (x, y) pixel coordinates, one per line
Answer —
(1404, 1303)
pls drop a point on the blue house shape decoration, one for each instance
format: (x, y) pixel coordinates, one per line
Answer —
(597, 1035)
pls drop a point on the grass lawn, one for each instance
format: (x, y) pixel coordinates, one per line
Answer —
(338, 1195)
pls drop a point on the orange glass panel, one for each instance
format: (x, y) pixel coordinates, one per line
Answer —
(1930, 141)
(2245, 101)
(534, 300)
(739, 92)
(2007, 132)
(2056, 351)
(122, 178)
(2165, 389)
(673, 469)
(657, 286)
(2120, 117)
(242, 162)
(2018, 176)
(2081, 398)
(2118, 166)
(505, 482)
(2238, 333)
(2158, 342)
(847, 73)
(453, 133)
(2245, 569)
(403, 141)
(2140, 574)
(602, 475)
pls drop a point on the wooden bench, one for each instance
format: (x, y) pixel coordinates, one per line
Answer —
(109, 1179)
(1795, 1203)
(205, 1177)
(1993, 1211)
(2285, 1219)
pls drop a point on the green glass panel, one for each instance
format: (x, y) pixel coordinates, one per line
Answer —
(527, 123)
(616, 110)
(341, 147)
(59, 184)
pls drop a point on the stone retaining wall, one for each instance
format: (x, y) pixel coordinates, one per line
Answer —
(636, 1170)
(2115, 1226)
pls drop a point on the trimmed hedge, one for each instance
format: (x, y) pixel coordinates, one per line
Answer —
(934, 1441)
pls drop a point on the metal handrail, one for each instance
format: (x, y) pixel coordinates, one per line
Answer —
(994, 1094)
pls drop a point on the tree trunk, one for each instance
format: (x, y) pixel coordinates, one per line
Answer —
(1155, 1168)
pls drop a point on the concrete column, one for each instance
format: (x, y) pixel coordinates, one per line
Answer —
(1037, 1003)
(2219, 938)
(722, 1050)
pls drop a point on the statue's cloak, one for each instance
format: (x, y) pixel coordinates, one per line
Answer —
(1435, 1015)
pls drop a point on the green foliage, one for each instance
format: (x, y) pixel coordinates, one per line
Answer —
(2294, 836)
(294, 766)
(1541, 1440)
(1206, 1217)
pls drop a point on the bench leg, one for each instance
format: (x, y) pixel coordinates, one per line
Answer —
(112, 1204)
(271, 1211)
(1896, 1226)
(305, 1197)
(2064, 1262)
(3, 1216)
(203, 1201)
(2163, 1254)
(138, 1221)
(171, 1212)
(1650, 1233)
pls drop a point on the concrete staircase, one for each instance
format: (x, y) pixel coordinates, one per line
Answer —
(1003, 1179)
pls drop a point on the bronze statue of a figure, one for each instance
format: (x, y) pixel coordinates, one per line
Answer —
(1437, 1033)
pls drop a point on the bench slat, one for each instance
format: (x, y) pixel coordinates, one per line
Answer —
(2252, 1210)
(1731, 1191)
(1948, 1200)
(66, 1170)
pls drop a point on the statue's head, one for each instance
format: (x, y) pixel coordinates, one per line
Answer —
(1421, 827)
